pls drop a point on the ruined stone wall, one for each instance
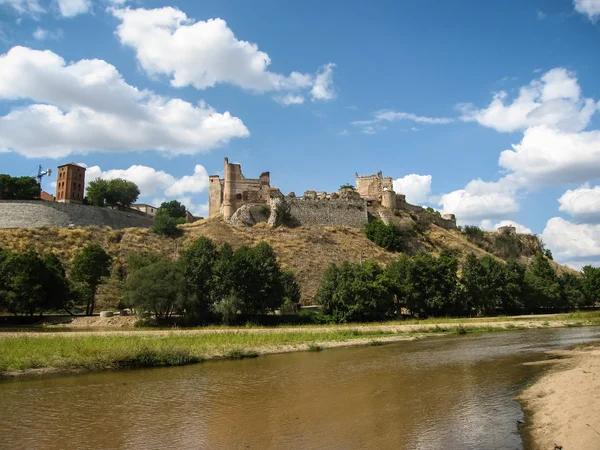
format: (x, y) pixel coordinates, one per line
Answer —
(215, 195)
(328, 212)
(23, 214)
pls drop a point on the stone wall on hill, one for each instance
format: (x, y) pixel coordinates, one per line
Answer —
(329, 212)
(23, 214)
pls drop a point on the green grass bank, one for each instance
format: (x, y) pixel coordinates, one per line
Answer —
(39, 353)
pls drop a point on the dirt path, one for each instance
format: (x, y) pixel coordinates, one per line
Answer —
(563, 406)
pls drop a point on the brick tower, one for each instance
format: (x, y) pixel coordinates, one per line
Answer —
(70, 183)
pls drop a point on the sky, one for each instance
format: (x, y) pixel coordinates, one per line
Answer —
(487, 110)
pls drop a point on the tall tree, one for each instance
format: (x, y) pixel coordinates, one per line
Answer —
(173, 209)
(18, 188)
(591, 284)
(116, 192)
(89, 267)
(23, 277)
(96, 192)
(543, 284)
(198, 269)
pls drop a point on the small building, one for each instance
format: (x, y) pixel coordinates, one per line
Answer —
(70, 183)
(228, 194)
(47, 197)
(149, 210)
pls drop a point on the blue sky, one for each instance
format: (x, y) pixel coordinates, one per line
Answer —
(483, 109)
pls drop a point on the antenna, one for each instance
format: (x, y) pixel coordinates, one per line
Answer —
(41, 174)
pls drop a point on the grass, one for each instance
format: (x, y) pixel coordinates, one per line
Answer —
(20, 352)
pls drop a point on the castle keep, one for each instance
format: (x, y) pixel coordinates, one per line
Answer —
(371, 187)
(228, 194)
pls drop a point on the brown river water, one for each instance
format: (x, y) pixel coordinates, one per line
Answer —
(436, 393)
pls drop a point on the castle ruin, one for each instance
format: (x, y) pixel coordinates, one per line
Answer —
(245, 201)
(228, 194)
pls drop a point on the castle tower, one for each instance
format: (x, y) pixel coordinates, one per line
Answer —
(70, 183)
(388, 199)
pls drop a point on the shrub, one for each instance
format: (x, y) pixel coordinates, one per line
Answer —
(508, 245)
(164, 224)
(385, 236)
(473, 233)
(283, 214)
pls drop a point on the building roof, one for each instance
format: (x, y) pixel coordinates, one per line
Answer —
(144, 204)
(71, 164)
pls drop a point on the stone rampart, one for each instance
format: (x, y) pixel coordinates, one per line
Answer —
(329, 212)
(23, 214)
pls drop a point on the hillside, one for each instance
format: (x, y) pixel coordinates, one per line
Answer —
(305, 250)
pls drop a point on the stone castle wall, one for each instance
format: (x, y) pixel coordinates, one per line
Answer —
(329, 212)
(23, 214)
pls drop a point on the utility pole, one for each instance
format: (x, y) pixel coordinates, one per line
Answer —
(361, 257)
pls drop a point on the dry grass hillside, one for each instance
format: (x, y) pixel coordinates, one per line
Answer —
(305, 250)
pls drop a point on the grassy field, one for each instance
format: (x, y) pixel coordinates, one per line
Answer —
(23, 353)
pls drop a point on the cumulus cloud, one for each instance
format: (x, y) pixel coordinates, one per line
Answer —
(583, 203)
(590, 8)
(205, 53)
(471, 207)
(572, 241)
(323, 86)
(290, 99)
(554, 99)
(487, 225)
(72, 8)
(41, 34)
(372, 126)
(547, 156)
(86, 106)
(158, 186)
(31, 7)
(415, 187)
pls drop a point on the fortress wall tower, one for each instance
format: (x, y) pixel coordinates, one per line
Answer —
(371, 187)
(70, 183)
(228, 194)
(388, 199)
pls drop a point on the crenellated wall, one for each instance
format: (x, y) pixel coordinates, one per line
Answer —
(37, 213)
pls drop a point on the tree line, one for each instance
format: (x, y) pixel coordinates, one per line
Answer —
(19, 188)
(426, 285)
(206, 284)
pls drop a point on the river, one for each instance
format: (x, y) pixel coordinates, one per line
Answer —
(436, 393)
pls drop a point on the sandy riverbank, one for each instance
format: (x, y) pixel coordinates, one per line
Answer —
(563, 406)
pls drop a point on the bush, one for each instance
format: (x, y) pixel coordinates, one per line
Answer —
(283, 214)
(164, 224)
(508, 245)
(473, 233)
(385, 236)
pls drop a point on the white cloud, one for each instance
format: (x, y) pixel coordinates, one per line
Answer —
(290, 99)
(40, 34)
(31, 7)
(554, 100)
(571, 241)
(487, 225)
(591, 8)
(159, 185)
(323, 86)
(72, 8)
(546, 156)
(86, 106)
(197, 182)
(415, 187)
(583, 202)
(205, 53)
(372, 126)
(480, 200)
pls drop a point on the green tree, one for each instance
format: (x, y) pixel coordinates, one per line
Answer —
(385, 236)
(158, 288)
(55, 283)
(542, 283)
(164, 224)
(483, 280)
(18, 188)
(291, 289)
(96, 192)
(515, 292)
(355, 292)
(174, 209)
(89, 267)
(116, 192)
(426, 285)
(198, 269)
(591, 284)
(571, 291)
(23, 277)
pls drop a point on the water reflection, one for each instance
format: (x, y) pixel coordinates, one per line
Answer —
(446, 393)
